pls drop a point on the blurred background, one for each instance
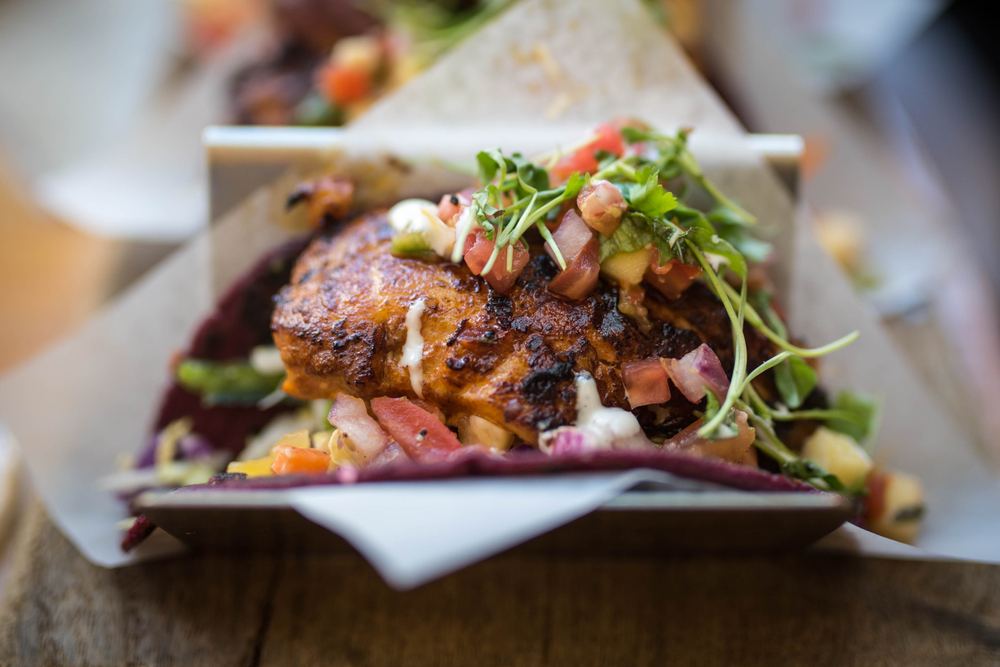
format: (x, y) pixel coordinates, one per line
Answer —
(102, 173)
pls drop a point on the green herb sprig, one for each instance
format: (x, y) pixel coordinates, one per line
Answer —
(517, 196)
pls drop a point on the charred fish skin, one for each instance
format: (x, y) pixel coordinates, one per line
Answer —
(341, 326)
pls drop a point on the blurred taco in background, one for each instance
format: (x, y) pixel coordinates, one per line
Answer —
(336, 57)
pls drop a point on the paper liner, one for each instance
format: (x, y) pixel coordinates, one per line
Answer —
(93, 396)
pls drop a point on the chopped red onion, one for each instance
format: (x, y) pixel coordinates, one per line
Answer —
(601, 205)
(569, 440)
(580, 277)
(572, 236)
(738, 449)
(193, 446)
(696, 371)
(351, 417)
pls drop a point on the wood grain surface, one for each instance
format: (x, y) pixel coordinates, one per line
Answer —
(334, 610)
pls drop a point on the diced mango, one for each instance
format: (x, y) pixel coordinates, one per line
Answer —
(255, 468)
(838, 454)
(291, 460)
(321, 440)
(479, 431)
(627, 268)
(299, 439)
(901, 508)
(262, 467)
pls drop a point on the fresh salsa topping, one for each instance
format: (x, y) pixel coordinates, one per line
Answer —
(615, 205)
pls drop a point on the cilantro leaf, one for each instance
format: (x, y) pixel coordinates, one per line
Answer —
(752, 249)
(531, 177)
(761, 300)
(864, 410)
(648, 196)
(574, 185)
(633, 233)
(727, 428)
(704, 235)
(711, 243)
(806, 470)
(723, 215)
(795, 380)
(490, 162)
(634, 135)
(226, 382)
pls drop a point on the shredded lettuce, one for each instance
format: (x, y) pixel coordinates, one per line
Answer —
(226, 382)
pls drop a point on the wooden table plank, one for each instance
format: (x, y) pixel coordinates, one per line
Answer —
(192, 611)
(334, 610)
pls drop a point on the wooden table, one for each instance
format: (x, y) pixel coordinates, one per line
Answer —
(511, 610)
(334, 610)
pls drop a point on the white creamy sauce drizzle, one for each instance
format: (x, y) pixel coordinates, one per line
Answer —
(420, 216)
(606, 424)
(716, 261)
(413, 348)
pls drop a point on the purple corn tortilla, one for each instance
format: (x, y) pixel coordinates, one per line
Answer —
(477, 464)
(140, 530)
(242, 321)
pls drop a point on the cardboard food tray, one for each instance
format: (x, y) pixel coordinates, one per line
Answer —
(647, 519)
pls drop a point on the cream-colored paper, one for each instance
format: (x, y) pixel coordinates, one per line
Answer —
(560, 61)
(93, 396)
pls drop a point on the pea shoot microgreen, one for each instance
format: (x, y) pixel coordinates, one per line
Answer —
(518, 195)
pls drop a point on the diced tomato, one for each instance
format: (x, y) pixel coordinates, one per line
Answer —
(291, 460)
(429, 407)
(672, 278)
(478, 250)
(499, 277)
(609, 138)
(580, 277)
(451, 205)
(646, 382)
(343, 84)
(571, 236)
(583, 159)
(421, 435)
(875, 501)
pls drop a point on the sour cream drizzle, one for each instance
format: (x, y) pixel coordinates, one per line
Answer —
(607, 424)
(420, 216)
(413, 348)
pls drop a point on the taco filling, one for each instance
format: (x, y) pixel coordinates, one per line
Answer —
(600, 303)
